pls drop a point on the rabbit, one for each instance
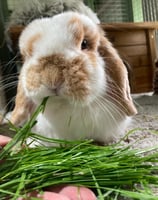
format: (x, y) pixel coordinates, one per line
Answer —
(69, 59)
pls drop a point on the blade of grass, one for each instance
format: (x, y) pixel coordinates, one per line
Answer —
(20, 187)
(100, 195)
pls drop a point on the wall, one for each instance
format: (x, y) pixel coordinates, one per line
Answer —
(114, 10)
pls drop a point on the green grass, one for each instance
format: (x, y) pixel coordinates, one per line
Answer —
(111, 171)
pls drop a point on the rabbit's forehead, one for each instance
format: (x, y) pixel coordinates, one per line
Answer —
(57, 34)
(67, 30)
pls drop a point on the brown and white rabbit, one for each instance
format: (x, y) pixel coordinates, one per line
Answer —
(67, 58)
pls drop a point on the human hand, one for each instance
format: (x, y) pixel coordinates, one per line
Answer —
(65, 192)
(4, 140)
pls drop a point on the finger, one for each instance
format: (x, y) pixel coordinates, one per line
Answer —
(74, 192)
(78, 193)
(4, 140)
(54, 196)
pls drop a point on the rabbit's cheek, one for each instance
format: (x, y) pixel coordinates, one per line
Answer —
(33, 78)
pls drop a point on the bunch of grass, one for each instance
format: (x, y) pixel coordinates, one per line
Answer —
(113, 171)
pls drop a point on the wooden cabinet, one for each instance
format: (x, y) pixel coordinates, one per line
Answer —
(136, 44)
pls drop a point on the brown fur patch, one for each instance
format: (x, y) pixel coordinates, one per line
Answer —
(28, 50)
(76, 28)
(76, 79)
(23, 107)
(33, 77)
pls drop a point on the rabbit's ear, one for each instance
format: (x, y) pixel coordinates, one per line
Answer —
(117, 77)
(24, 107)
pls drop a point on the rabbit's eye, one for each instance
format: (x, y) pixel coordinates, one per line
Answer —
(84, 44)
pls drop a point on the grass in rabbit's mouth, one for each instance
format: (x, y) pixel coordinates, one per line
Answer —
(113, 171)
